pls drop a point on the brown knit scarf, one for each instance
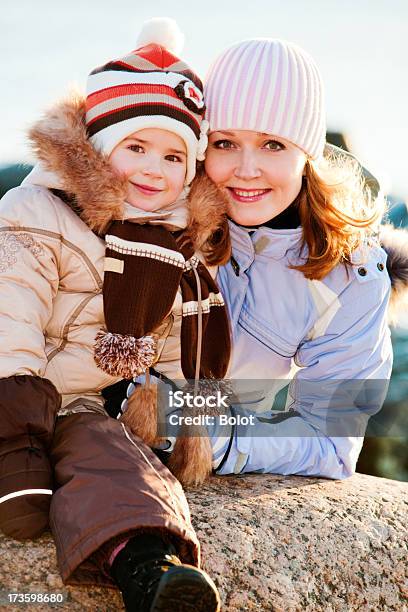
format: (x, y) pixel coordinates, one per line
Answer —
(145, 265)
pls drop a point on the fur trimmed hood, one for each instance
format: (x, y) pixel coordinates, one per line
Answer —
(395, 244)
(60, 142)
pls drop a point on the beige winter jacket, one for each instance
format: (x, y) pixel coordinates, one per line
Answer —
(52, 262)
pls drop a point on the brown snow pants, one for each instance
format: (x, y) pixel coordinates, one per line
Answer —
(109, 483)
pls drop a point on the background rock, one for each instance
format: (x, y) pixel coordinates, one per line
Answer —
(271, 543)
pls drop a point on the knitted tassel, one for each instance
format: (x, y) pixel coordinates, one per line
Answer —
(141, 413)
(124, 355)
(191, 459)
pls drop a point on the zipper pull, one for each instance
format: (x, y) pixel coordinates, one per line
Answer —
(235, 265)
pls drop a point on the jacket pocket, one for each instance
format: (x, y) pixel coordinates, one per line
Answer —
(266, 336)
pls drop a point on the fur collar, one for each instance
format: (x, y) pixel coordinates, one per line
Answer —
(60, 142)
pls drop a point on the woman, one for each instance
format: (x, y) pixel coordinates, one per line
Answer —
(306, 286)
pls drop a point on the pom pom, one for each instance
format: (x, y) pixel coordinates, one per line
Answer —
(162, 31)
(125, 356)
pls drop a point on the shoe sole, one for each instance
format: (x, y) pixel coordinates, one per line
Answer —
(184, 589)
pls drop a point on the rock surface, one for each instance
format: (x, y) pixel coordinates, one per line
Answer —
(271, 543)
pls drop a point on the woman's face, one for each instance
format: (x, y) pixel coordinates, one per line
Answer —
(261, 174)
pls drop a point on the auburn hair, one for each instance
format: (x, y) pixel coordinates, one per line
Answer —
(338, 214)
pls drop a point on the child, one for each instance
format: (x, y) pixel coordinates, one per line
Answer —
(108, 196)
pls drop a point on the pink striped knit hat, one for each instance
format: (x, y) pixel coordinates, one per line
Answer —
(268, 85)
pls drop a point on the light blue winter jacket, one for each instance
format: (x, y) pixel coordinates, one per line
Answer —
(330, 337)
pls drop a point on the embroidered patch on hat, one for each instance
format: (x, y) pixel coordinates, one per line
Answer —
(191, 95)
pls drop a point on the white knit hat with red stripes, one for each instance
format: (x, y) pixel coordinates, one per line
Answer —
(271, 86)
(148, 88)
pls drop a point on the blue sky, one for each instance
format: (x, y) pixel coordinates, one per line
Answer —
(361, 47)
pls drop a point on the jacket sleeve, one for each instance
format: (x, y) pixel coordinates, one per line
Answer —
(28, 285)
(342, 381)
(28, 282)
(28, 402)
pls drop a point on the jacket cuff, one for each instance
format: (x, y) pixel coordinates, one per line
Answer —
(227, 453)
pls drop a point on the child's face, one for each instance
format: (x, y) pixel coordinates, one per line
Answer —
(261, 174)
(154, 162)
